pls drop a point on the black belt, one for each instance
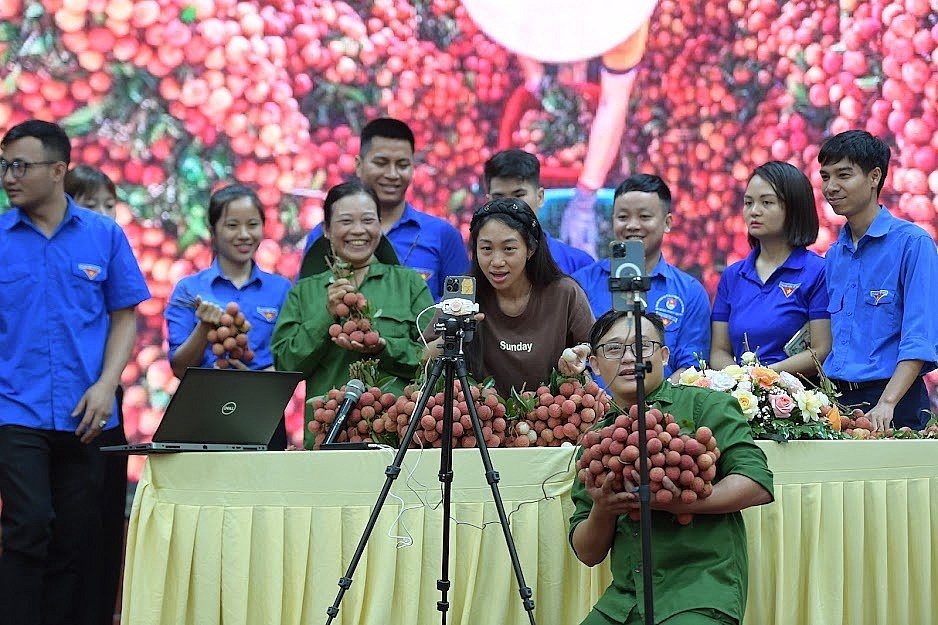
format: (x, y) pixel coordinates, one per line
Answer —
(844, 385)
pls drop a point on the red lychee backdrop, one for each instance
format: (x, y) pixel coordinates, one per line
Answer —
(173, 97)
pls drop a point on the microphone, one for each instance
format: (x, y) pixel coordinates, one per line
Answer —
(353, 391)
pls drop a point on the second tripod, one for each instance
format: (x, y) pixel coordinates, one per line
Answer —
(451, 364)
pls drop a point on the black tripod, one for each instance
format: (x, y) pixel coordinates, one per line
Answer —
(632, 287)
(456, 330)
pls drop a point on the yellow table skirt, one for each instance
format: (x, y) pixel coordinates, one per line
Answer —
(258, 538)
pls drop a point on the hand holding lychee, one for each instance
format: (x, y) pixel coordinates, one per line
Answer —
(229, 339)
(353, 330)
(680, 466)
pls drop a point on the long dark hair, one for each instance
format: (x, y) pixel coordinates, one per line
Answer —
(541, 268)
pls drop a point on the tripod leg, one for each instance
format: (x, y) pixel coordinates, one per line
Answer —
(492, 477)
(392, 471)
(446, 479)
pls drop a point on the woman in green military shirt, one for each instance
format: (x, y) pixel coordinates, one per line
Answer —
(301, 340)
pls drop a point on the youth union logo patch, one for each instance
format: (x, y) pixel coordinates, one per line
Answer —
(670, 308)
(878, 295)
(91, 271)
(270, 314)
(788, 287)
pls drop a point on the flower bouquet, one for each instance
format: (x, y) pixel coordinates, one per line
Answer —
(779, 406)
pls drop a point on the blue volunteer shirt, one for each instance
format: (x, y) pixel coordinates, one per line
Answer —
(767, 315)
(568, 258)
(882, 300)
(676, 297)
(260, 299)
(429, 245)
(56, 294)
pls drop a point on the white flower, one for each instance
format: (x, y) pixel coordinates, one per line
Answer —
(689, 376)
(810, 402)
(790, 382)
(720, 380)
(747, 401)
(748, 358)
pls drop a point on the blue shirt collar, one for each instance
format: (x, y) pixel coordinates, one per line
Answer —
(662, 267)
(214, 272)
(72, 211)
(795, 260)
(879, 227)
(409, 214)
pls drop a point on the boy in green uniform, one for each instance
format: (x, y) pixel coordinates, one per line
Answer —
(700, 570)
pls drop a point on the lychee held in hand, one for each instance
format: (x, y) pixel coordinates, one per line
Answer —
(229, 340)
(689, 462)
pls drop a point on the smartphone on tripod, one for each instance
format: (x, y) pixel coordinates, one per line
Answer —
(459, 296)
(459, 306)
(626, 263)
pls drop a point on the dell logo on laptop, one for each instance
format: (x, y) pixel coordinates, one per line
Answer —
(229, 408)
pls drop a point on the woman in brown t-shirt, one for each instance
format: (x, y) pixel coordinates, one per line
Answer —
(532, 310)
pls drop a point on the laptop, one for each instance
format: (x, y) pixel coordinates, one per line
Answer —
(220, 410)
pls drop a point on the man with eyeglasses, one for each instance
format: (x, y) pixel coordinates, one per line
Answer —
(700, 569)
(68, 290)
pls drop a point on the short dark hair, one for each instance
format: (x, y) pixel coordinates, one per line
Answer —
(85, 180)
(541, 268)
(605, 322)
(794, 191)
(55, 143)
(513, 163)
(386, 127)
(858, 147)
(646, 183)
(352, 186)
(221, 198)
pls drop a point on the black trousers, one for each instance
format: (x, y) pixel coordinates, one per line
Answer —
(106, 546)
(47, 484)
(909, 412)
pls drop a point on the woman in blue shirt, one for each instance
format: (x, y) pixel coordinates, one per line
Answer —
(764, 300)
(236, 221)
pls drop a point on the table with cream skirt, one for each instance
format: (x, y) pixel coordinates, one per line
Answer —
(255, 538)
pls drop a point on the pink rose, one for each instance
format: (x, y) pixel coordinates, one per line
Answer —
(702, 382)
(782, 405)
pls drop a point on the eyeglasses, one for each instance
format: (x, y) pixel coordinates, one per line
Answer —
(615, 350)
(19, 167)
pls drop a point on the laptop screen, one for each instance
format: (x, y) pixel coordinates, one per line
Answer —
(227, 406)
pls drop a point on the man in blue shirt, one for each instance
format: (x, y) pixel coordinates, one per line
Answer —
(641, 210)
(431, 246)
(516, 173)
(68, 290)
(881, 277)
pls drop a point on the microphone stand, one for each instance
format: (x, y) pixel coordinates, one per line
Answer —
(632, 287)
(456, 330)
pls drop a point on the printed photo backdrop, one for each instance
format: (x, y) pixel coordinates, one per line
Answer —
(174, 97)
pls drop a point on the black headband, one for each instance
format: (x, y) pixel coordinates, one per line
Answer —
(517, 211)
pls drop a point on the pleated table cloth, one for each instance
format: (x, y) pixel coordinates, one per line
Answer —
(263, 538)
